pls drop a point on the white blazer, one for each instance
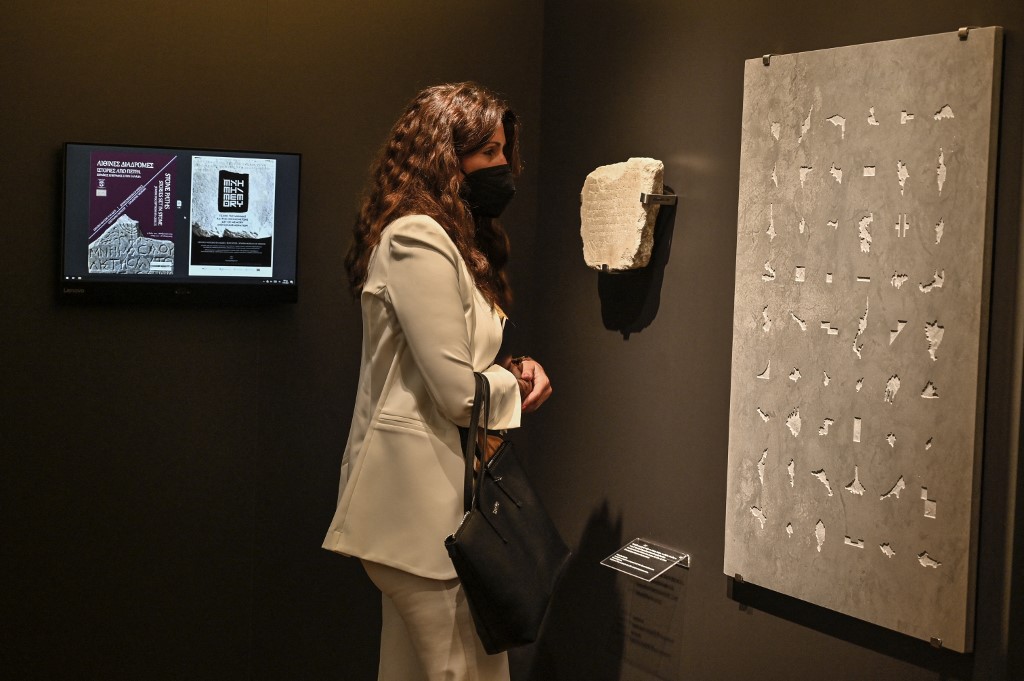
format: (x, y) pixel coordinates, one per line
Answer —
(426, 329)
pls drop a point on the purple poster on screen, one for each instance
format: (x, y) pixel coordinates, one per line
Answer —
(131, 213)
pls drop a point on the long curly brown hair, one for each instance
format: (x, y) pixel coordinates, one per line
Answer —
(417, 172)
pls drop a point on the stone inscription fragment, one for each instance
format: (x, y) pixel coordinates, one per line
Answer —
(823, 479)
(617, 229)
(840, 123)
(855, 486)
(940, 170)
(894, 333)
(902, 174)
(892, 386)
(122, 249)
(759, 515)
(930, 505)
(934, 332)
(937, 280)
(865, 233)
(805, 126)
(898, 487)
(793, 422)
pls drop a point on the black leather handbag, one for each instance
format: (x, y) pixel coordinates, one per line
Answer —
(507, 552)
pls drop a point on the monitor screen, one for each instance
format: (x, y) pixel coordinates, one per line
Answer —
(152, 223)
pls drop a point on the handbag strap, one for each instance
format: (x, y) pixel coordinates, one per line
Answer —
(481, 403)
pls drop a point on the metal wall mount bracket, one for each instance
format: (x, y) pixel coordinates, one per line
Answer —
(653, 199)
(658, 199)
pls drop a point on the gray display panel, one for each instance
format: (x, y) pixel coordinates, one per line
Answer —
(861, 314)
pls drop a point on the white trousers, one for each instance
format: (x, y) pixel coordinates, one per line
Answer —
(427, 631)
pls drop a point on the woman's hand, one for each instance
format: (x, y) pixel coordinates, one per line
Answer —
(534, 385)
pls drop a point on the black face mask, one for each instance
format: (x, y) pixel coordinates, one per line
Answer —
(489, 190)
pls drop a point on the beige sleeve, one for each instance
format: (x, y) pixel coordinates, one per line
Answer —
(424, 290)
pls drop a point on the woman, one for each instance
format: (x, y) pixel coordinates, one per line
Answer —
(428, 265)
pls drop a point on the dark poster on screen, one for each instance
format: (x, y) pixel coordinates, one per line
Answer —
(131, 213)
(232, 216)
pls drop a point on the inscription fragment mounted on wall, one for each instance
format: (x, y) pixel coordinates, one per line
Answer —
(860, 324)
(617, 229)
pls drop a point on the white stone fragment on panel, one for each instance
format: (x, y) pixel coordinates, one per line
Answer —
(823, 479)
(618, 230)
(855, 486)
(794, 422)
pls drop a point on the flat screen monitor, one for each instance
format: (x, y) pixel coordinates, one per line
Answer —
(167, 223)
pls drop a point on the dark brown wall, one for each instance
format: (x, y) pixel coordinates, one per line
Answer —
(634, 441)
(169, 473)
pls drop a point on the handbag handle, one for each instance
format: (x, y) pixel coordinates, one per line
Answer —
(481, 402)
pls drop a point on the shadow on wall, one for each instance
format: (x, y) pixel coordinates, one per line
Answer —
(949, 664)
(630, 299)
(586, 607)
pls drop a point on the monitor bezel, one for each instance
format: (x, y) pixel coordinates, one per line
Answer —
(105, 289)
